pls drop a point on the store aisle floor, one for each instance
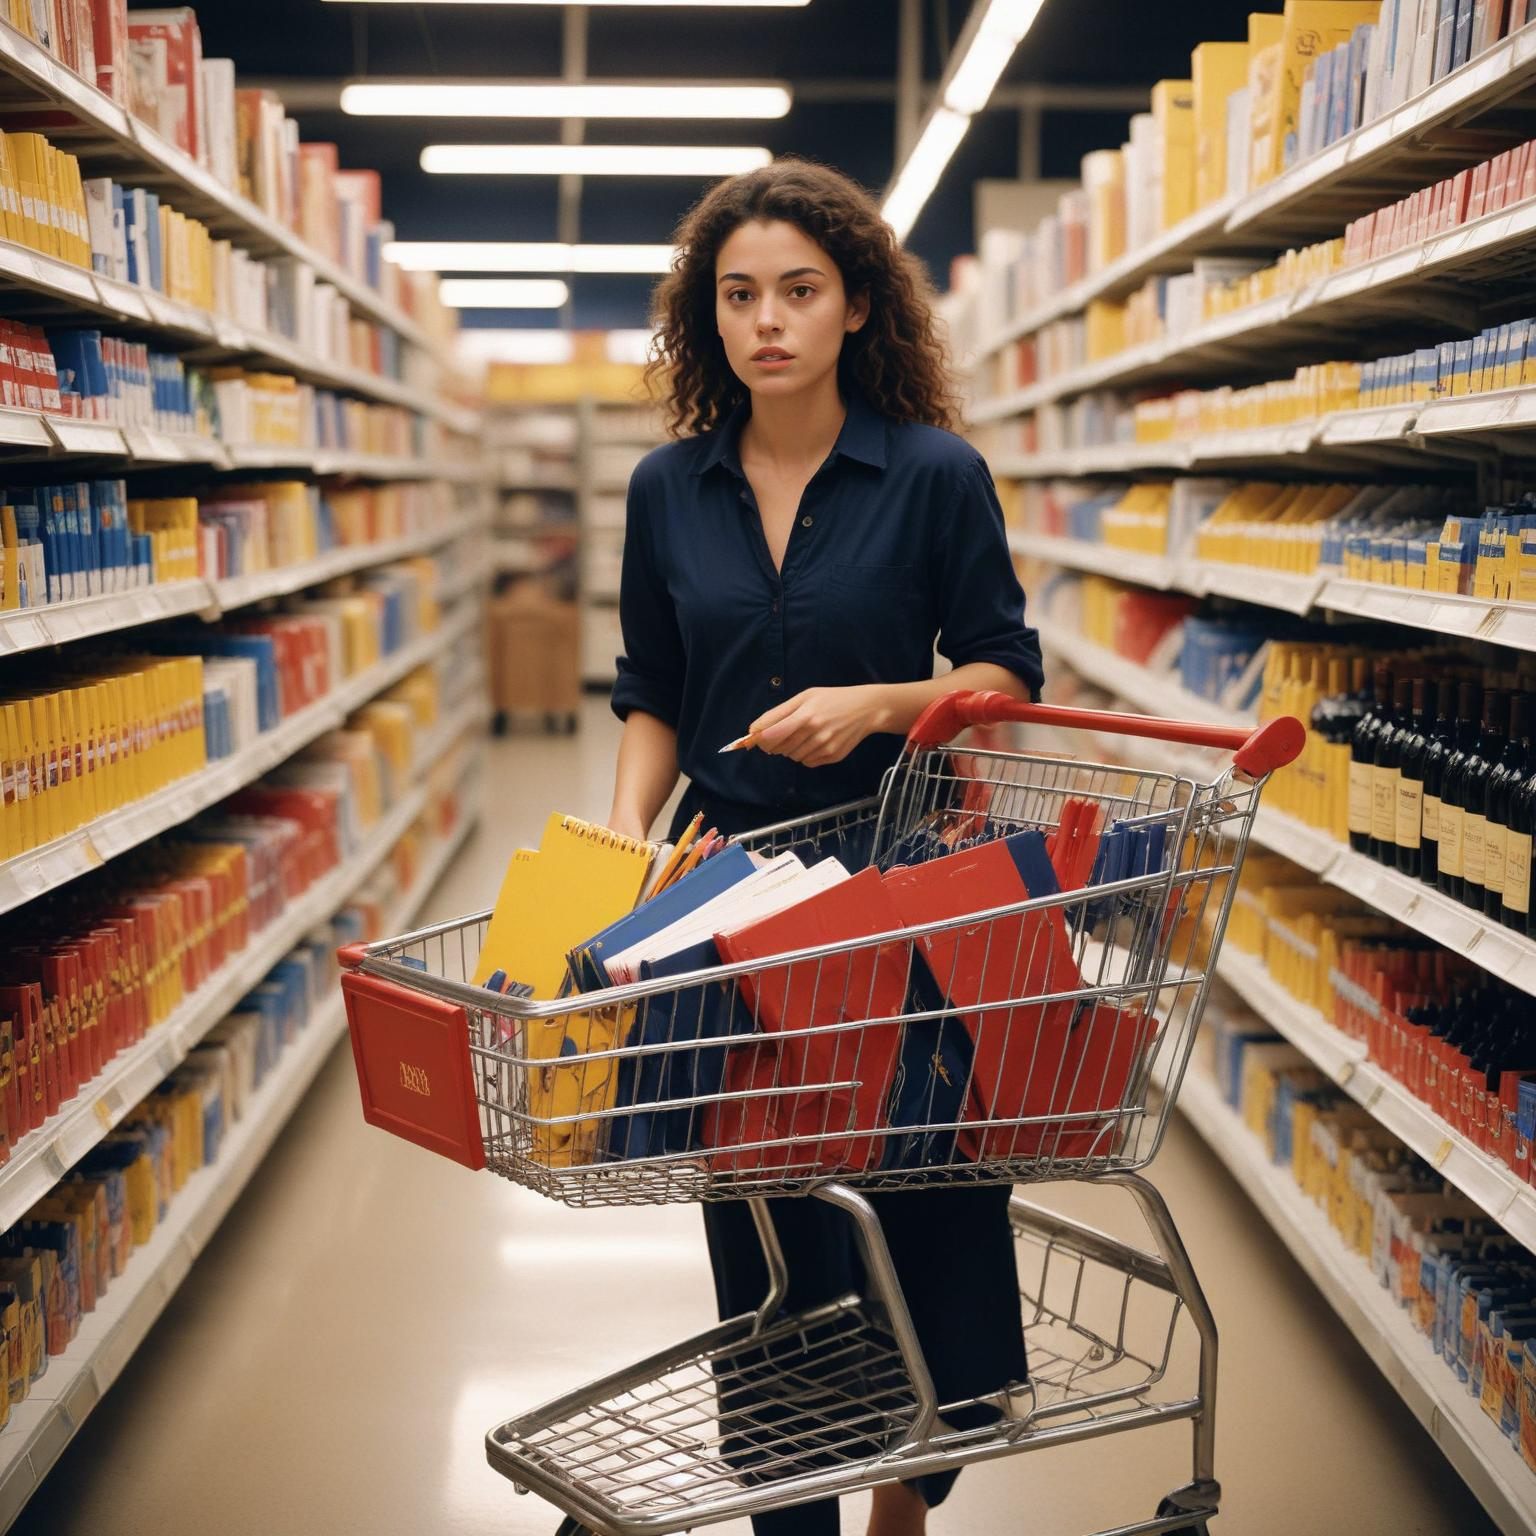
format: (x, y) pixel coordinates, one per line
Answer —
(367, 1311)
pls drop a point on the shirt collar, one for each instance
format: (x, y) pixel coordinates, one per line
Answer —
(862, 437)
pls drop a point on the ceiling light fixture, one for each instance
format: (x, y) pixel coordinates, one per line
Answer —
(519, 256)
(592, 159)
(469, 98)
(503, 292)
(485, 345)
(993, 31)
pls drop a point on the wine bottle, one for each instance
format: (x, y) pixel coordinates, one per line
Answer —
(1362, 761)
(1507, 776)
(1469, 699)
(1385, 776)
(1410, 782)
(1436, 754)
(1515, 909)
(1474, 797)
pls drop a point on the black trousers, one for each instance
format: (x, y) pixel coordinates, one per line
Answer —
(952, 1249)
(953, 1252)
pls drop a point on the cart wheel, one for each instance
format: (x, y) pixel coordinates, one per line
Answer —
(571, 1526)
(1195, 1528)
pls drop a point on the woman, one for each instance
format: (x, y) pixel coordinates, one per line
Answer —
(789, 563)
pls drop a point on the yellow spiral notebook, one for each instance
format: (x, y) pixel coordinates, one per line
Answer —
(581, 879)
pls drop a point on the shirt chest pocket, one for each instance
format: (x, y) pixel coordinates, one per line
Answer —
(869, 614)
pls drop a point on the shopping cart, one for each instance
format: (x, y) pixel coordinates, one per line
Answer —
(832, 1072)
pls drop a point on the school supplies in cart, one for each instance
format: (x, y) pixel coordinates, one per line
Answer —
(824, 1062)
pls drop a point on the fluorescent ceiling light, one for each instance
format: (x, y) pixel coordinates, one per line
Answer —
(920, 175)
(992, 32)
(628, 346)
(986, 56)
(503, 292)
(592, 159)
(518, 256)
(514, 346)
(548, 99)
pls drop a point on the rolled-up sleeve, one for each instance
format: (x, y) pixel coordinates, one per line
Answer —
(650, 672)
(981, 604)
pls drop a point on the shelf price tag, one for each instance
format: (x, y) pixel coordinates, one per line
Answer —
(1442, 1152)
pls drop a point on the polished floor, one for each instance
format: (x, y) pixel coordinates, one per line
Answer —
(333, 1360)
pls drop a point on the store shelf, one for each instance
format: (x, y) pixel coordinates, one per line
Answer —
(1203, 233)
(1410, 147)
(77, 294)
(75, 1381)
(1149, 691)
(98, 130)
(1483, 1179)
(1486, 942)
(43, 869)
(1488, 1462)
(1473, 618)
(1364, 297)
(333, 461)
(59, 623)
(1099, 559)
(42, 1157)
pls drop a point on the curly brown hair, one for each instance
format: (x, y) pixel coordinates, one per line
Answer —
(897, 360)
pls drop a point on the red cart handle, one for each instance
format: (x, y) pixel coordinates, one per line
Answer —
(1255, 753)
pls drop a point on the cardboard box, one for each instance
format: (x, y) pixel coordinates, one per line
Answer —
(535, 655)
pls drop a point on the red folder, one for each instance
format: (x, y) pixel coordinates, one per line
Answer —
(1022, 1052)
(413, 1066)
(842, 988)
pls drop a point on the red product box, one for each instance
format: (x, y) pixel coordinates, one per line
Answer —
(170, 104)
(1477, 199)
(1525, 165)
(109, 37)
(1498, 182)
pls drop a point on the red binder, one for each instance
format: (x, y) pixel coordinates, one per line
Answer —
(413, 1067)
(842, 988)
(1023, 1052)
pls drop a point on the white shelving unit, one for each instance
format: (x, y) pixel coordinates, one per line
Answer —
(1321, 194)
(1488, 1463)
(1497, 949)
(42, 1426)
(612, 439)
(1500, 622)
(25, 629)
(30, 874)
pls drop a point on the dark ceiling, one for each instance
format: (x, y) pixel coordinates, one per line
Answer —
(840, 53)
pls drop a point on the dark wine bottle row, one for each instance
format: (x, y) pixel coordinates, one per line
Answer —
(1442, 781)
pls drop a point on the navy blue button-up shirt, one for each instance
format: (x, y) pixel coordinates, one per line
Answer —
(898, 542)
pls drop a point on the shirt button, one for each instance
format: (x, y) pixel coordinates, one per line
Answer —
(805, 522)
(777, 682)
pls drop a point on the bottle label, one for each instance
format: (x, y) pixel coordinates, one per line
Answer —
(1360, 798)
(1474, 862)
(1495, 852)
(1431, 818)
(1517, 871)
(1451, 820)
(1410, 811)
(1384, 804)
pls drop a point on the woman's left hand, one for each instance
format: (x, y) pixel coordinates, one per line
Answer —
(822, 725)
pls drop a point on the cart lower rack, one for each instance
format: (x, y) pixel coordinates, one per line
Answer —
(1042, 1039)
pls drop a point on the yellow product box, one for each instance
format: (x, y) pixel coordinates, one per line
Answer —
(1104, 323)
(1216, 71)
(1104, 182)
(1173, 110)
